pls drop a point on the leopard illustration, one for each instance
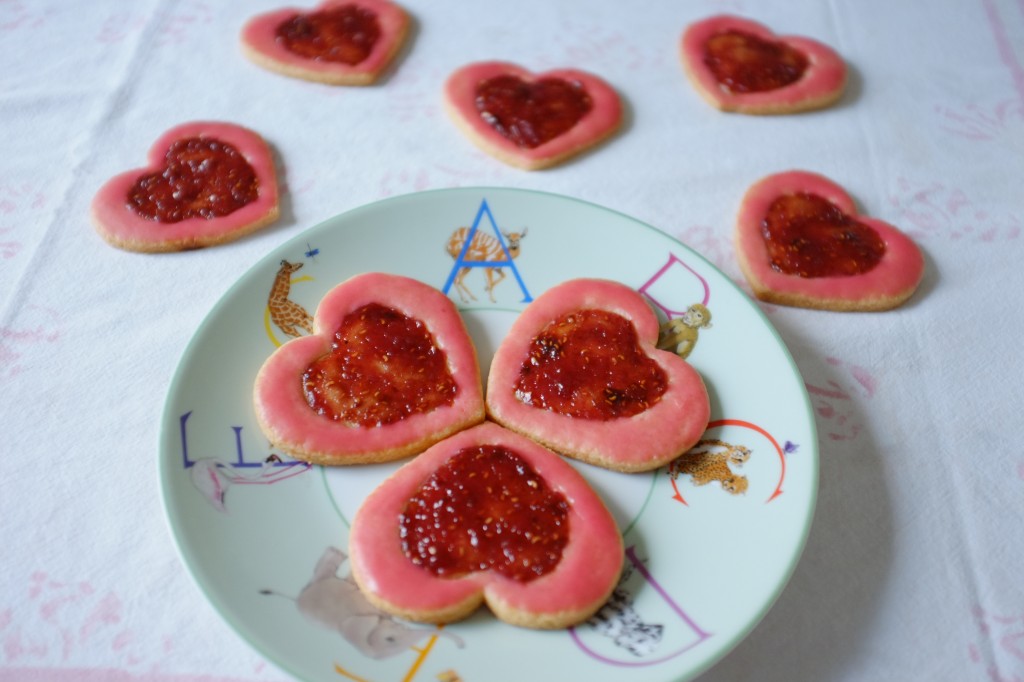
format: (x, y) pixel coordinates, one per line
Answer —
(709, 461)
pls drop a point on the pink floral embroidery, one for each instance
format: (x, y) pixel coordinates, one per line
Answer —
(119, 26)
(834, 399)
(595, 44)
(14, 198)
(404, 181)
(8, 249)
(711, 244)
(15, 339)
(17, 203)
(935, 210)
(999, 122)
(16, 15)
(486, 173)
(1003, 650)
(414, 98)
(1003, 121)
(177, 27)
(58, 624)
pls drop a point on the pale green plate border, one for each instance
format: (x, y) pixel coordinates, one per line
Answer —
(169, 425)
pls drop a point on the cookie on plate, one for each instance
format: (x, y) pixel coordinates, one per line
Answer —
(340, 42)
(580, 373)
(739, 65)
(486, 516)
(207, 183)
(529, 120)
(388, 371)
(801, 242)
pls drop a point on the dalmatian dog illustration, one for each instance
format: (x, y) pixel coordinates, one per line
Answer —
(619, 620)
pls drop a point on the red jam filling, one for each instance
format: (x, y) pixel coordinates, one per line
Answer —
(809, 236)
(383, 367)
(201, 178)
(588, 364)
(343, 34)
(530, 114)
(485, 509)
(742, 62)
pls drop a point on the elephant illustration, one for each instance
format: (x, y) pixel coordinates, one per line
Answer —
(337, 604)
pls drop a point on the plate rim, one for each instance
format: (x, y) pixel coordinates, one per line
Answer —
(242, 630)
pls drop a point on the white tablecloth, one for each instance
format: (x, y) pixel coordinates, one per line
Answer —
(913, 569)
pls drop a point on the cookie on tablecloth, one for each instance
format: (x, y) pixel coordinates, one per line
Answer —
(801, 242)
(739, 65)
(340, 42)
(207, 183)
(528, 120)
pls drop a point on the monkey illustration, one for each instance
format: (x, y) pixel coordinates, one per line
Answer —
(680, 334)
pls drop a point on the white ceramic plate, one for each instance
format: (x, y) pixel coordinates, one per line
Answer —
(265, 537)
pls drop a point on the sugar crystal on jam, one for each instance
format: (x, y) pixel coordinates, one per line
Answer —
(808, 236)
(745, 63)
(383, 367)
(343, 34)
(530, 114)
(589, 364)
(486, 508)
(202, 178)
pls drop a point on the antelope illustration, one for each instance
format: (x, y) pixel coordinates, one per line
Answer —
(483, 248)
(289, 316)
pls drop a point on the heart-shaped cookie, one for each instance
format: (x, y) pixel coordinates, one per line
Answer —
(800, 242)
(389, 370)
(580, 373)
(740, 65)
(486, 516)
(528, 120)
(206, 183)
(340, 42)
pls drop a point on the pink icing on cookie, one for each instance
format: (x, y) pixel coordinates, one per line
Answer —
(263, 45)
(883, 285)
(660, 429)
(124, 226)
(579, 583)
(289, 417)
(819, 84)
(509, 135)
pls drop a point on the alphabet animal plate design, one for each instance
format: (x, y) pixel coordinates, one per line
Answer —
(266, 538)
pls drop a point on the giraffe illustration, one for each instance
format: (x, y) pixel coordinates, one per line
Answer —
(289, 316)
